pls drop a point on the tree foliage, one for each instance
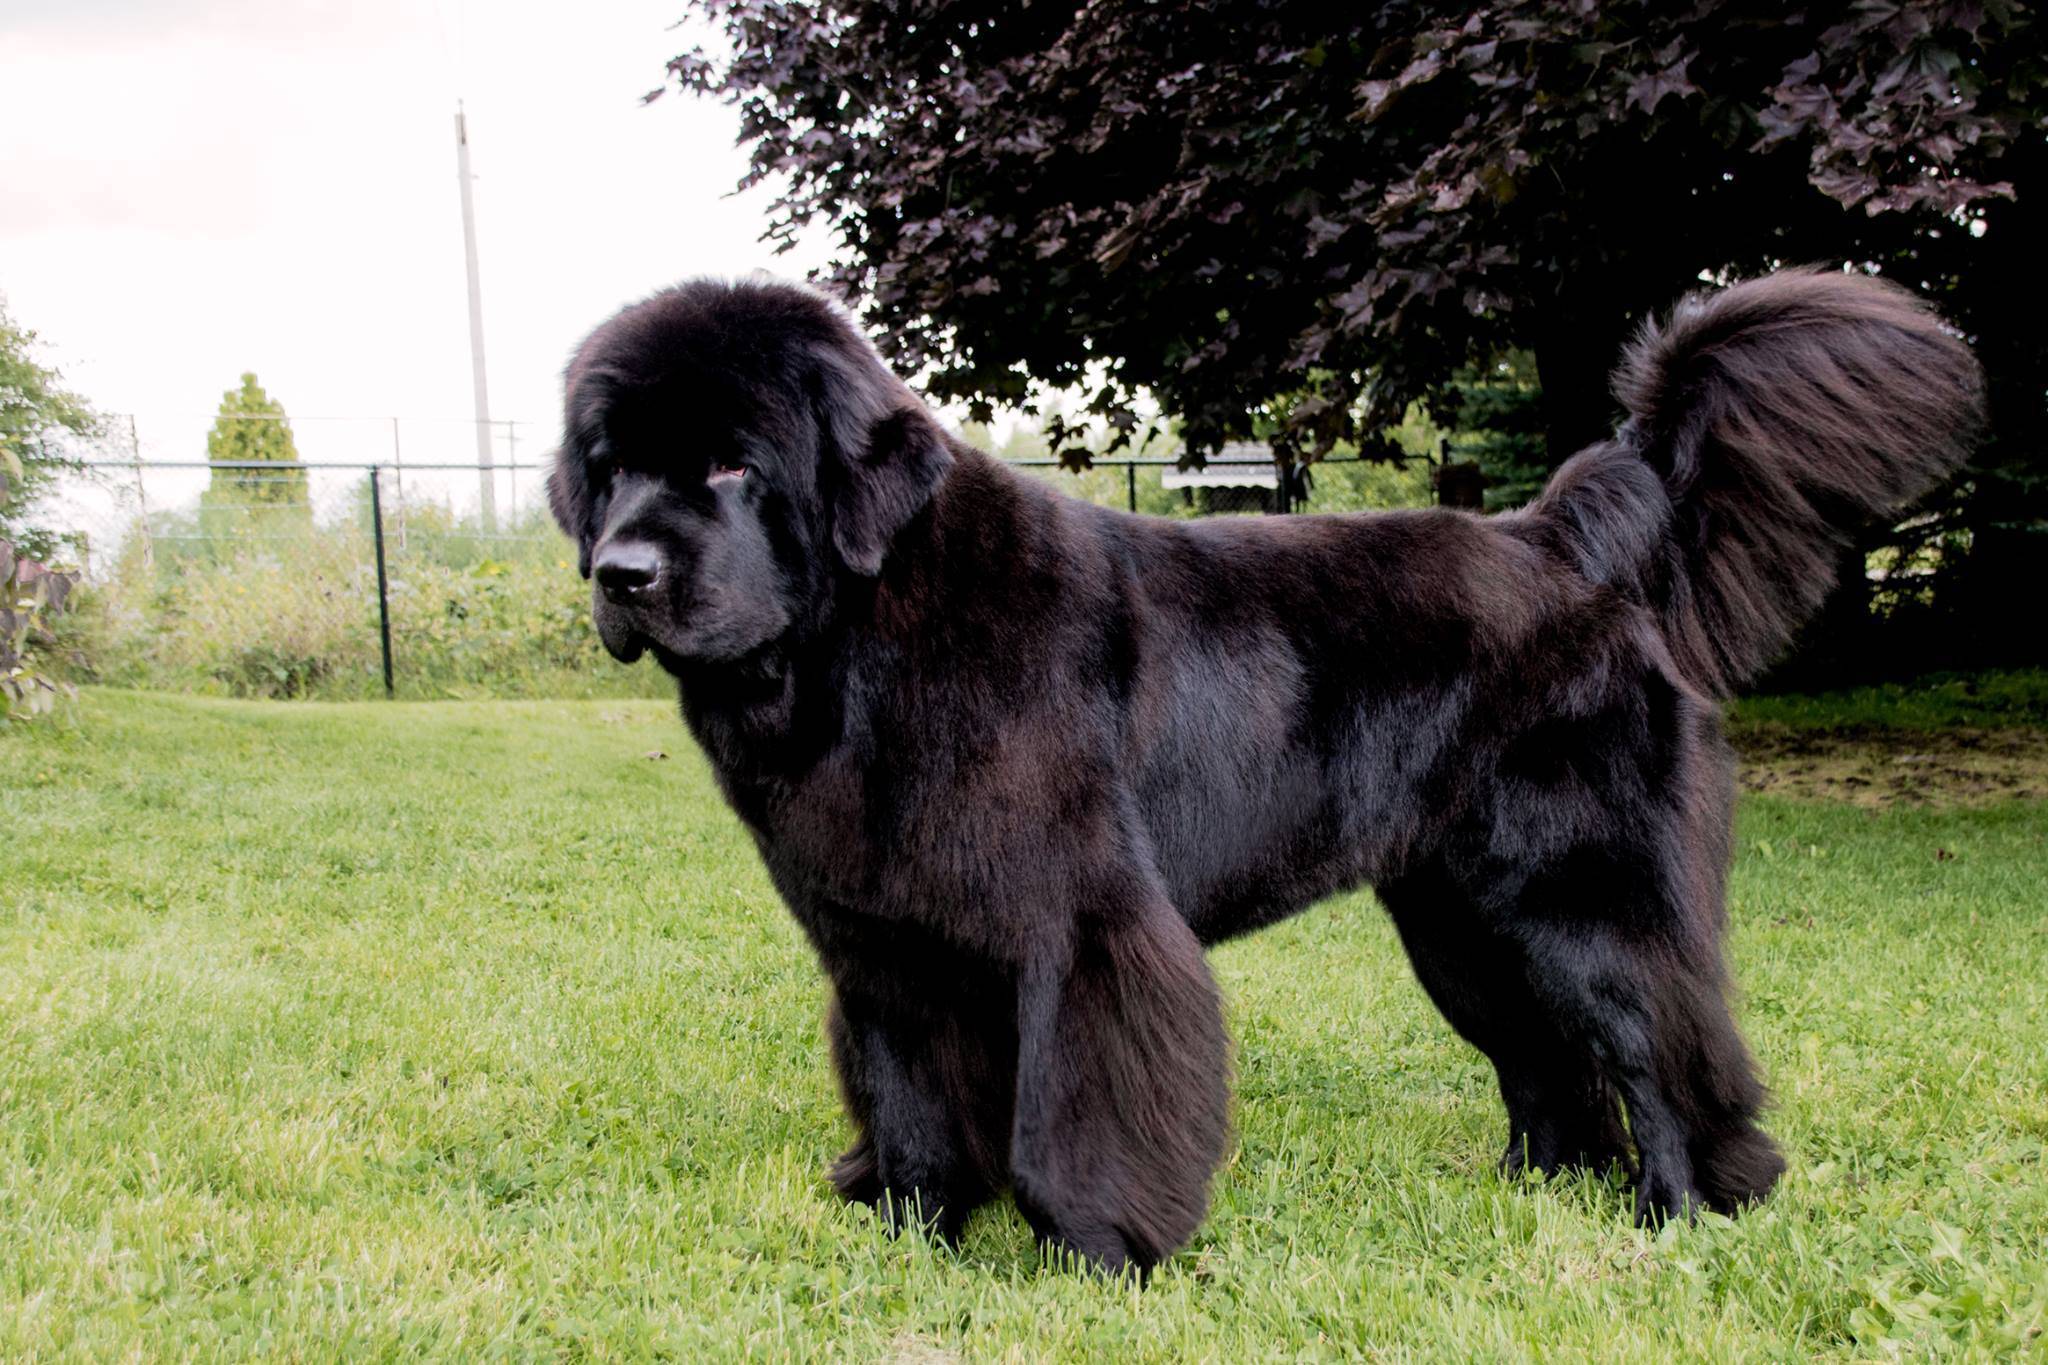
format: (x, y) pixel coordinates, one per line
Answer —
(1290, 220)
(1227, 200)
(251, 428)
(39, 417)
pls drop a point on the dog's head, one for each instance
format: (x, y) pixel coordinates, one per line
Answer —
(730, 451)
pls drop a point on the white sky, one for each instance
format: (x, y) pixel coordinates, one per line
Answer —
(194, 188)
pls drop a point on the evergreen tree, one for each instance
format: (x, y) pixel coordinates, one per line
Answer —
(252, 429)
(1496, 415)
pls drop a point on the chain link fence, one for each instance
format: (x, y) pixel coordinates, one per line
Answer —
(408, 571)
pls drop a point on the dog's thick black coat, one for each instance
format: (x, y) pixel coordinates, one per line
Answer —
(1012, 759)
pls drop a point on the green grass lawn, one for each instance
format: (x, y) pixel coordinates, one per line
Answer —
(471, 1029)
(1992, 700)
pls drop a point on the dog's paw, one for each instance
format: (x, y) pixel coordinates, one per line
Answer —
(855, 1175)
(1591, 1152)
(1109, 1254)
(925, 1211)
(1737, 1169)
(1661, 1200)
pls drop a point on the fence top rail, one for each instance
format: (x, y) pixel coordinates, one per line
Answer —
(280, 466)
(385, 418)
(505, 466)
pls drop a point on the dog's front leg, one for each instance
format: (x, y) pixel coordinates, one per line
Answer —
(930, 1095)
(1122, 1084)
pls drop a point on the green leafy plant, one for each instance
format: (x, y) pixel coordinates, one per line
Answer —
(40, 421)
(27, 592)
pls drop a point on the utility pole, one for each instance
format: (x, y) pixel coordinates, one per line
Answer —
(486, 479)
(141, 497)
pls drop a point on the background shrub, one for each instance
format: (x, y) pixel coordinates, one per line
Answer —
(289, 615)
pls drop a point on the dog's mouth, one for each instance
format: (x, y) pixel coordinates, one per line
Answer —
(621, 639)
(626, 648)
(710, 636)
(627, 634)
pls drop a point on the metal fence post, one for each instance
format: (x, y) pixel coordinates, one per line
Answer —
(1131, 478)
(383, 593)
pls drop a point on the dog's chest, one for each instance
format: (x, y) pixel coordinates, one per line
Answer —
(812, 828)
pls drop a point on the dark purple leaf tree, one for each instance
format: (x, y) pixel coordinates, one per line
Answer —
(1290, 220)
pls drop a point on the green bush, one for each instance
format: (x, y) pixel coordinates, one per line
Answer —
(504, 627)
(297, 617)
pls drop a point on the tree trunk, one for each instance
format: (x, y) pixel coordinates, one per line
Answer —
(1990, 597)
(1838, 647)
(1577, 409)
(1576, 348)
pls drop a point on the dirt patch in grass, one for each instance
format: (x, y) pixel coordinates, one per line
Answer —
(1964, 766)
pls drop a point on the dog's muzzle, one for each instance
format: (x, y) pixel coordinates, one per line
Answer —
(627, 572)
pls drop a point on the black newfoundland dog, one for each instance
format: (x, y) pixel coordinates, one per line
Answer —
(1013, 759)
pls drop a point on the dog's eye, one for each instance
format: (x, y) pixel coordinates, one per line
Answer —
(720, 473)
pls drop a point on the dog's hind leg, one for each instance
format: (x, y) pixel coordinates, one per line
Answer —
(1122, 1083)
(1562, 1112)
(1706, 1066)
(930, 1094)
(1652, 1012)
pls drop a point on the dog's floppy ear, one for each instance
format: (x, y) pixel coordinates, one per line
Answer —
(569, 500)
(887, 456)
(570, 496)
(886, 485)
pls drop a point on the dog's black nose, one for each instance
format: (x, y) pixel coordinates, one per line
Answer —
(625, 569)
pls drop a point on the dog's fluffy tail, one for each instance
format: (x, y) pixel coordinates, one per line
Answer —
(1766, 423)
